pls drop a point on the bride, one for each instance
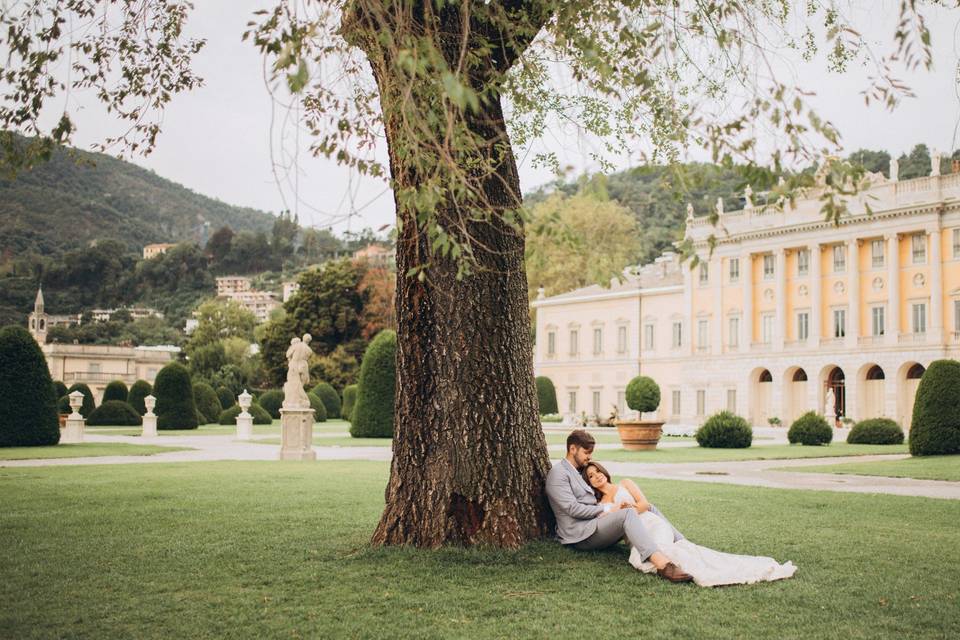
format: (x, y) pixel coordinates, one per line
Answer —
(709, 568)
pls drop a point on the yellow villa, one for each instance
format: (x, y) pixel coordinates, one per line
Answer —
(789, 313)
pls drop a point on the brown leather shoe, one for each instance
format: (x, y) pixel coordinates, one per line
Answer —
(673, 573)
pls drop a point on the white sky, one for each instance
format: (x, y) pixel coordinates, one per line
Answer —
(217, 140)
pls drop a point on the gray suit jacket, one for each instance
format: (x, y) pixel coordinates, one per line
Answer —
(573, 502)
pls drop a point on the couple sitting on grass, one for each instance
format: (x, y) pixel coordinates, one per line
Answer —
(593, 513)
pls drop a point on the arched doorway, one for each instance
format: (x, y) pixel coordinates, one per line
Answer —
(834, 395)
(795, 394)
(910, 376)
(871, 399)
(762, 397)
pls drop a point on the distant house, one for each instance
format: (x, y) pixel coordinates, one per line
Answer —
(227, 286)
(136, 313)
(376, 255)
(289, 289)
(154, 250)
(239, 289)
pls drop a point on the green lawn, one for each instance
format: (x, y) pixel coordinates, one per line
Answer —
(84, 450)
(763, 452)
(610, 437)
(280, 550)
(345, 441)
(926, 468)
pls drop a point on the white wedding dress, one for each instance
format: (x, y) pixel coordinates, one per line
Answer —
(709, 568)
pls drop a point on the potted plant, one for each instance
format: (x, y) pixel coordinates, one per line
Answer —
(643, 396)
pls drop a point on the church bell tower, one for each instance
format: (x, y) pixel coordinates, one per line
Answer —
(38, 320)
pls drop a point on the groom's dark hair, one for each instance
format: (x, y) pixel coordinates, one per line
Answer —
(581, 439)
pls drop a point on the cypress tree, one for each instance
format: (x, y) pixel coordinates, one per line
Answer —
(176, 408)
(28, 403)
(935, 428)
(374, 412)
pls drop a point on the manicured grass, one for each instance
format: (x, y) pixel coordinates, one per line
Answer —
(608, 438)
(84, 450)
(762, 452)
(280, 550)
(345, 441)
(924, 468)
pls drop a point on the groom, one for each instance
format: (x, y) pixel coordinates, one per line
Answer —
(586, 525)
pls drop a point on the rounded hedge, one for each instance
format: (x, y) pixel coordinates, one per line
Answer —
(319, 408)
(59, 389)
(208, 404)
(225, 396)
(373, 413)
(116, 390)
(138, 391)
(725, 430)
(28, 402)
(643, 394)
(546, 395)
(349, 401)
(114, 413)
(260, 416)
(271, 401)
(875, 431)
(935, 427)
(810, 429)
(88, 404)
(176, 408)
(330, 397)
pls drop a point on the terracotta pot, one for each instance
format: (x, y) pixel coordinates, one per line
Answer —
(639, 435)
(63, 420)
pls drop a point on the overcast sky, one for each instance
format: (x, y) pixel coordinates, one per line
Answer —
(217, 140)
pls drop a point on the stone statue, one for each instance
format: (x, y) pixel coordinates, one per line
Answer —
(748, 197)
(934, 163)
(894, 169)
(719, 206)
(830, 405)
(689, 211)
(298, 373)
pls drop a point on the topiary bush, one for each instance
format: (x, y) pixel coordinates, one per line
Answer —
(176, 408)
(373, 413)
(138, 391)
(547, 395)
(114, 413)
(349, 400)
(59, 389)
(330, 398)
(875, 431)
(725, 430)
(810, 429)
(643, 394)
(319, 408)
(225, 396)
(116, 390)
(260, 416)
(935, 427)
(28, 404)
(271, 401)
(88, 403)
(208, 404)
(63, 405)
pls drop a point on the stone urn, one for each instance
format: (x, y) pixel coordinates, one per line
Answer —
(643, 395)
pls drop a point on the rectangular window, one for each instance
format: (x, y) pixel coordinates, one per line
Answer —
(552, 343)
(918, 248)
(702, 329)
(675, 402)
(621, 339)
(956, 316)
(768, 266)
(621, 402)
(648, 337)
(94, 367)
(877, 321)
(733, 339)
(597, 341)
(704, 273)
(572, 402)
(732, 400)
(876, 254)
(596, 403)
(574, 342)
(734, 270)
(920, 317)
(701, 402)
(803, 325)
(956, 243)
(766, 333)
(839, 258)
(839, 323)
(803, 262)
(677, 335)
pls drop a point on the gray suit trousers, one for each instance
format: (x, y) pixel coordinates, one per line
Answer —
(623, 523)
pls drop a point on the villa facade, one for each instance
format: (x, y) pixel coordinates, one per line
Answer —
(788, 313)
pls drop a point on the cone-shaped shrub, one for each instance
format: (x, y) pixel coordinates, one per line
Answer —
(260, 416)
(140, 390)
(114, 412)
(330, 397)
(271, 401)
(225, 396)
(349, 400)
(373, 414)
(116, 390)
(935, 428)
(319, 409)
(547, 395)
(725, 430)
(59, 389)
(88, 404)
(28, 404)
(875, 431)
(810, 429)
(175, 406)
(208, 404)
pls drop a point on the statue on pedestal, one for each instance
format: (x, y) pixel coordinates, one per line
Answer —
(298, 373)
(894, 169)
(830, 405)
(748, 197)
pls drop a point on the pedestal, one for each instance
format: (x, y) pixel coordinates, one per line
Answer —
(73, 432)
(244, 426)
(296, 434)
(149, 426)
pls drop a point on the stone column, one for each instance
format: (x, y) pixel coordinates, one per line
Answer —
(780, 289)
(892, 319)
(935, 330)
(73, 432)
(716, 272)
(816, 296)
(746, 322)
(149, 418)
(244, 419)
(853, 293)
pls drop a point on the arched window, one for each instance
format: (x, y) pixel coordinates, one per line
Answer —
(799, 375)
(915, 372)
(875, 373)
(837, 375)
(765, 376)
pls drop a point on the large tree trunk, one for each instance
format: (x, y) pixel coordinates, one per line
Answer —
(469, 456)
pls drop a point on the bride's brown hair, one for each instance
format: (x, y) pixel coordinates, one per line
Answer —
(600, 468)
